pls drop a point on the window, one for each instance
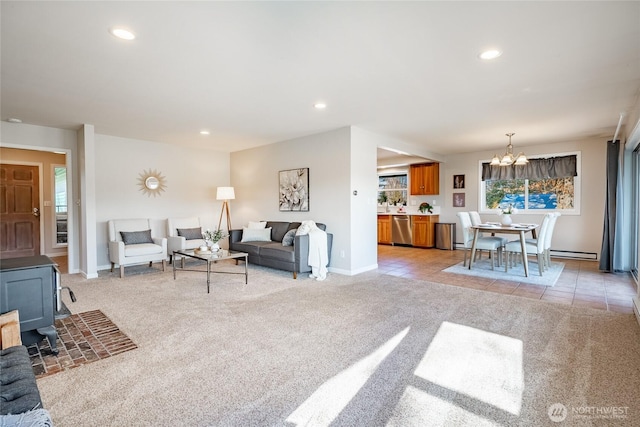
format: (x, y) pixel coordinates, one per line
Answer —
(392, 189)
(531, 195)
(60, 200)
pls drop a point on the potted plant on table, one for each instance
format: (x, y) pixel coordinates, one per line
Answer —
(505, 214)
(213, 237)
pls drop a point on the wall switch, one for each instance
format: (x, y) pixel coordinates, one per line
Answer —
(47, 203)
(342, 254)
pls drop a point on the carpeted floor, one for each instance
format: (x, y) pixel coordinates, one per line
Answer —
(367, 350)
(515, 274)
(82, 338)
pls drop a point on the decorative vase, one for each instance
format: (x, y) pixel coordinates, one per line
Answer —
(215, 247)
(506, 219)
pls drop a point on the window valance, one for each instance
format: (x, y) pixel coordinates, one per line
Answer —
(552, 167)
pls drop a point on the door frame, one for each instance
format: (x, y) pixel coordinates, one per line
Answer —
(72, 247)
(40, 195)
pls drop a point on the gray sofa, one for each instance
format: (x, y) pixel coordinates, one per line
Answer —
(273, 254)
(20, 402)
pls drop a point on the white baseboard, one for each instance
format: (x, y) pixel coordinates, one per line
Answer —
(353, 272)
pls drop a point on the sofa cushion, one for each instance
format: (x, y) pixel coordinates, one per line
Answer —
(136, 237)
(278, 229)
(257, 224)
(275, 250)
(252, 248)
(256, 235)
(190, 233)
(288, 238)
(18, 389)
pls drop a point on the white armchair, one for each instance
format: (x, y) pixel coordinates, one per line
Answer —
(185, 238)
(130, 242)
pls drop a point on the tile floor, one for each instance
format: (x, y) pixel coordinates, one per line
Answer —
(581, 283)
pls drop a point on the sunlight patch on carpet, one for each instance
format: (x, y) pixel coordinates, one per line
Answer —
(82, 338)
(326, 403)
(479, 364)
(515, 274)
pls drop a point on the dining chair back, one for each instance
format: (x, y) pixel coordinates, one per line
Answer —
(536, 247)
(491, 244)
(548, 236)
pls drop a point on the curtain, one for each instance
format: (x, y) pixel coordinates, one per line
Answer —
(552, 167)
(609, 231)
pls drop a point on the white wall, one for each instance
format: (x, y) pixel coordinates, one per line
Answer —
(254, 175)
(192, 176)
(580, 233)
(364, 205)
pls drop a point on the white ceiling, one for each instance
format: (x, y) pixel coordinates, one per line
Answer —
(250, 72)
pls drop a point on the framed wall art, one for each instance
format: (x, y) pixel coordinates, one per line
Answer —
(458, 200)
(458, 181)
(294, 190)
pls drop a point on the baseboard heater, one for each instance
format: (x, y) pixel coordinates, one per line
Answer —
(589, 256)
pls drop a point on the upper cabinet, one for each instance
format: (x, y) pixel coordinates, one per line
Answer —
(425, 179)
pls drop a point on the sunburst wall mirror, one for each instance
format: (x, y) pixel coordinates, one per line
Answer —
(152, 183)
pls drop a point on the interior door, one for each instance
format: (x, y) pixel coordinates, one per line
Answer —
(19, 211)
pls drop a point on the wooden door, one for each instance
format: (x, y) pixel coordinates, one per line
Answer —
(19, 211)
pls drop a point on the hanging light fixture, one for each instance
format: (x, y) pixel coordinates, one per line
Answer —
(508, 158)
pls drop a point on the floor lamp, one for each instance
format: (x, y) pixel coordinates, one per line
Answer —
(226, 194)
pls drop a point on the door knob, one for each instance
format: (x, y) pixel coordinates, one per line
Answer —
(36, 212)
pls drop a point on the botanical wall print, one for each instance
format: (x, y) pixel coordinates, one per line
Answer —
(294, 190)
(152, 182)
(458, 200)
(458, 181)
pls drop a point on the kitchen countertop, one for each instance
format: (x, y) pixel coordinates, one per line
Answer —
(411, 213)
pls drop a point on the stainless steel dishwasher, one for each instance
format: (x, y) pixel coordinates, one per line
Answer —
(401, 230)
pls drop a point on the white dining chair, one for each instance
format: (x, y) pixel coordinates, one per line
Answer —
(547, 241)
(514, 247)
(547, 238)
(491, 244)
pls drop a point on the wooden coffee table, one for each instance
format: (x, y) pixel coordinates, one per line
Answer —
(209, 258)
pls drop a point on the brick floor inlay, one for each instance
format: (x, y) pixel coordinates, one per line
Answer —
(82, 338)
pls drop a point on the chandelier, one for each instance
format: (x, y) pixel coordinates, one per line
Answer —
(509, 159)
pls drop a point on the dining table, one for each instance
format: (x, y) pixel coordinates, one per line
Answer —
(497, 228)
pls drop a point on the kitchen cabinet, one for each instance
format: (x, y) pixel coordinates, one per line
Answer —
(384, 229)
(423, 230)
(425, 179)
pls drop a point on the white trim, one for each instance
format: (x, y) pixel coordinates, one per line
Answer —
(577, 190)
(71, 247)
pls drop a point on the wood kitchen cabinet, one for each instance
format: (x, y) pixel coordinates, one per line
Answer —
(423, 230)
(384, 229)
(425, 179)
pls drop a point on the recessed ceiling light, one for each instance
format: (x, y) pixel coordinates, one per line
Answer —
(122, 33)
(204, 132)
(490, 54)
(319, 105)
(14, 120)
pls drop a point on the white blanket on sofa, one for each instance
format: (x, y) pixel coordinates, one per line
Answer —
(318, 253)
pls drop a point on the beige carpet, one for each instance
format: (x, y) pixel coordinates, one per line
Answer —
(369, 350)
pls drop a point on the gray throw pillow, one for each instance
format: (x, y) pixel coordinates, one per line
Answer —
(190, 233)
(288, 238)
(136, 237)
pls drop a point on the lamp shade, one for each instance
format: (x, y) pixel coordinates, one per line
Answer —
(225, 193)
